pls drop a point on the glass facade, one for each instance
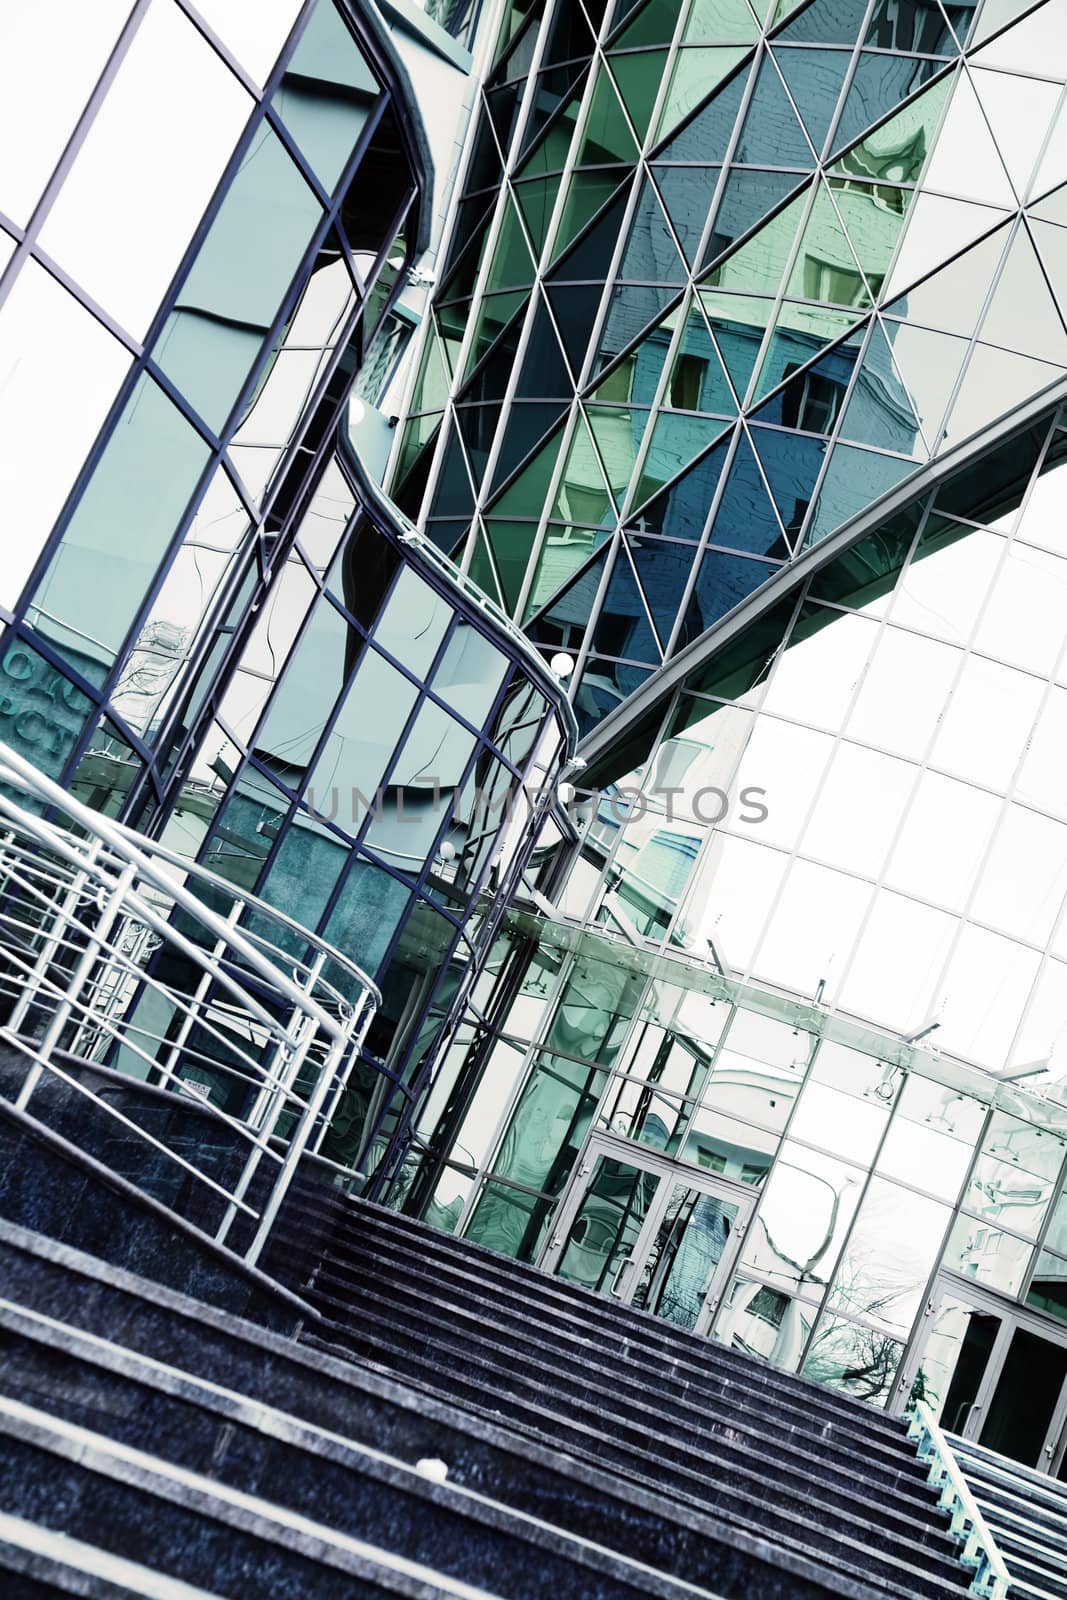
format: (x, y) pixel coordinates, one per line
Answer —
(722, 276)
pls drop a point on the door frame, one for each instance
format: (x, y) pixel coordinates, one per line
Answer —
(1012, 1316)
(599, 1143)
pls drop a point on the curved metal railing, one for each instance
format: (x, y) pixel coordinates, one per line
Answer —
(119, 955)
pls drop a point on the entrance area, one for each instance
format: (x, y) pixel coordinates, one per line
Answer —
(648, 1232)
(993, 1373)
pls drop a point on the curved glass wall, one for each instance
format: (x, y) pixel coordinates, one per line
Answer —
(197, 243)
(721, 276)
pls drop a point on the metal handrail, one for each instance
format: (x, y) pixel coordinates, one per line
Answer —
(991, 1576)
(94, 965)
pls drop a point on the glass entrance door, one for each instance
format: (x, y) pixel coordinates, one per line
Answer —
(648, 1232)
(992, 1373)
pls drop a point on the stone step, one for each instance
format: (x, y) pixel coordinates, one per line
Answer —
(491, 1456)
(37, 1563)
(188, 1527)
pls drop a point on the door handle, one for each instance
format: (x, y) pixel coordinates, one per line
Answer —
(627, 1261)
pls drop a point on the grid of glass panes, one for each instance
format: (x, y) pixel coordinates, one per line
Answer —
(869, 1177)
(861, 793)
(720, 276)
(176, 294)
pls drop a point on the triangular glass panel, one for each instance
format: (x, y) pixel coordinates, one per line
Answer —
(511, 544)
(707, 136)
(663, 570)
(432, 385)
(618, 431)
(814, 79)
(527, 424)
(575, 603)
(879, 84)
(681, 510)
(477, 425)
(897, 149)
(574, 307)
(525, 496)
(952, 299)
(603, 687)
(637, 77)
(811, 396)
(1053, 208)
(996, 14)
(651, 254)
(537, 199)
(503, 105)
(586, 193)
(544, 374)
(698, 381)
(495, 312)
(800, 332)
(738, 323)
(1019, 112)
(772, 136)
(995, 381)
(547, 138)
(635, 380)
(879, 411)
(583, 495)
(512, 264)
(938, 229)
(687, 193)
(1022, 315)
(589, 259)
(965, 161)
(623, 627)
(1038, 43)
(676, 441)
(928, 365)
(854, 480)
(826, 269)
(923, 29)
(482, 570)
(1051, 244)
(607, 136)
(1052, 169)
(653, 24)
(824, 22)
(756, 267)
(747, 197)
(791, 464)
(745, 518)
(633, 308)
(565, 550)
(731, 21)
(453, 495)
(723, 582)
(570, 37)
(696, 71)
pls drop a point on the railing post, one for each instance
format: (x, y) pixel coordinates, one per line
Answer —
(61, 916)
(86, 961)
(169, 1067)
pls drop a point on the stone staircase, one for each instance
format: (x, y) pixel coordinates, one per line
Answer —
(1026, 1513)
(155, 1445)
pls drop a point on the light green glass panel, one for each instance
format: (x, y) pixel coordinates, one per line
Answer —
(586, 193)
(738, 323)
(676, 440)
(416, 434)
(550, 152)
(511, 544)
(327, 93)
(758, 265)
(607, 136)
(731, 20)
(482, 570)
(800, 332)
(618, 432)
(564, 550)
(825, 267)
(696, 72)
(638, 78)
(431, 386)
(525, 497)
(495, 311)
(896, 150)
(583, 494)
(537, 199)
(512, 263)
